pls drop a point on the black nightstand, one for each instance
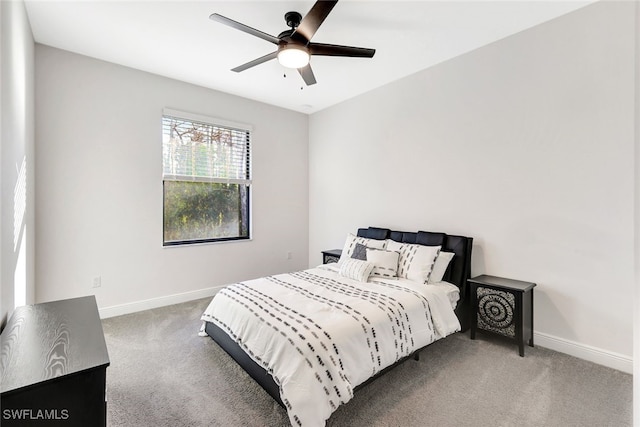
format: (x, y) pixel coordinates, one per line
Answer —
(504, 307)
(330, 256)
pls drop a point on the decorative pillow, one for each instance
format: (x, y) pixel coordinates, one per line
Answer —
(392, 245)
(415, 261)
(440, 266)
(360, 252)
(352, 240)
(385, 262)
(356, 269)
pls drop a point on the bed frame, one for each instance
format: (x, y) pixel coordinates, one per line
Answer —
(457, 273)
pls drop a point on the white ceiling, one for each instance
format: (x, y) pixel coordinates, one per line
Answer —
(176, 39)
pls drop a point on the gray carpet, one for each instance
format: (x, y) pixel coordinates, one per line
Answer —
(163, 374)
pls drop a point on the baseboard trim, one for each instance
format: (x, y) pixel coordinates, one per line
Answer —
(133, 307)
(586, 352)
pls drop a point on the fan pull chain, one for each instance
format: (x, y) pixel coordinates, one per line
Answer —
(285, 76)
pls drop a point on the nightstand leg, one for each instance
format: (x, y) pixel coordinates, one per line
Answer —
(531, 320)
(474, 310)
(519, 322)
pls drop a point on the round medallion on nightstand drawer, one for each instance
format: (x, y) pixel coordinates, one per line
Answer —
(495, 310)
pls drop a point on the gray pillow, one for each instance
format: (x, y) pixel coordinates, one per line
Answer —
(360, 252)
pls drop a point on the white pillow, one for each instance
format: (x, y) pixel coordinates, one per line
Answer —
(350, 245)
(385, 262)
(440, 266)
(356, 269)
(415, 261)
(392, 245)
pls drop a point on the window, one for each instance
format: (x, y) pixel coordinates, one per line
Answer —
(206, 179)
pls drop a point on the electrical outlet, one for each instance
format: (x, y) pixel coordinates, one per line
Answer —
(289, 255)
(97, 282)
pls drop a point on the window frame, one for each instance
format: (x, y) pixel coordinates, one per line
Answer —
(221, 123)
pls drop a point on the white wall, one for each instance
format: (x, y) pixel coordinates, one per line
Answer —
(526, 145)
(16, 158)
(99, 177)
(636, 307)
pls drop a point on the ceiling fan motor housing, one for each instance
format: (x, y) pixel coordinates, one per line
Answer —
(293, 19)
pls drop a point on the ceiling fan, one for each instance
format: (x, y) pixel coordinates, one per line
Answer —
(294, 45)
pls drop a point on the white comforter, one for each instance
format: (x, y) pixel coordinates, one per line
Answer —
(320, 335)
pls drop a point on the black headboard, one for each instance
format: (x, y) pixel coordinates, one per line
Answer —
(459, 269)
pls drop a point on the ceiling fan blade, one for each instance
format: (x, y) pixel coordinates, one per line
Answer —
(307, 75)
(337, 50)
(247, 29)
(312, 20)
(255, 62)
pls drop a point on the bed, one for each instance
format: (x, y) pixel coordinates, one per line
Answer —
(312, 338)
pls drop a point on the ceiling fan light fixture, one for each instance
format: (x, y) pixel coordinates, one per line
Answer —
(293, 56)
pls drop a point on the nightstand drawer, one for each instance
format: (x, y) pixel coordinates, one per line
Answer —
(331, 256)
(495, 311)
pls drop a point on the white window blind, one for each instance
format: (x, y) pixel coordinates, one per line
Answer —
(196, 149)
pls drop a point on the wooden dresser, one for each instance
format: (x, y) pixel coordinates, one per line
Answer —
(53, 365)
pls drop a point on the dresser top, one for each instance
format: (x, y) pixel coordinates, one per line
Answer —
(44, 341)
(501, 282)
